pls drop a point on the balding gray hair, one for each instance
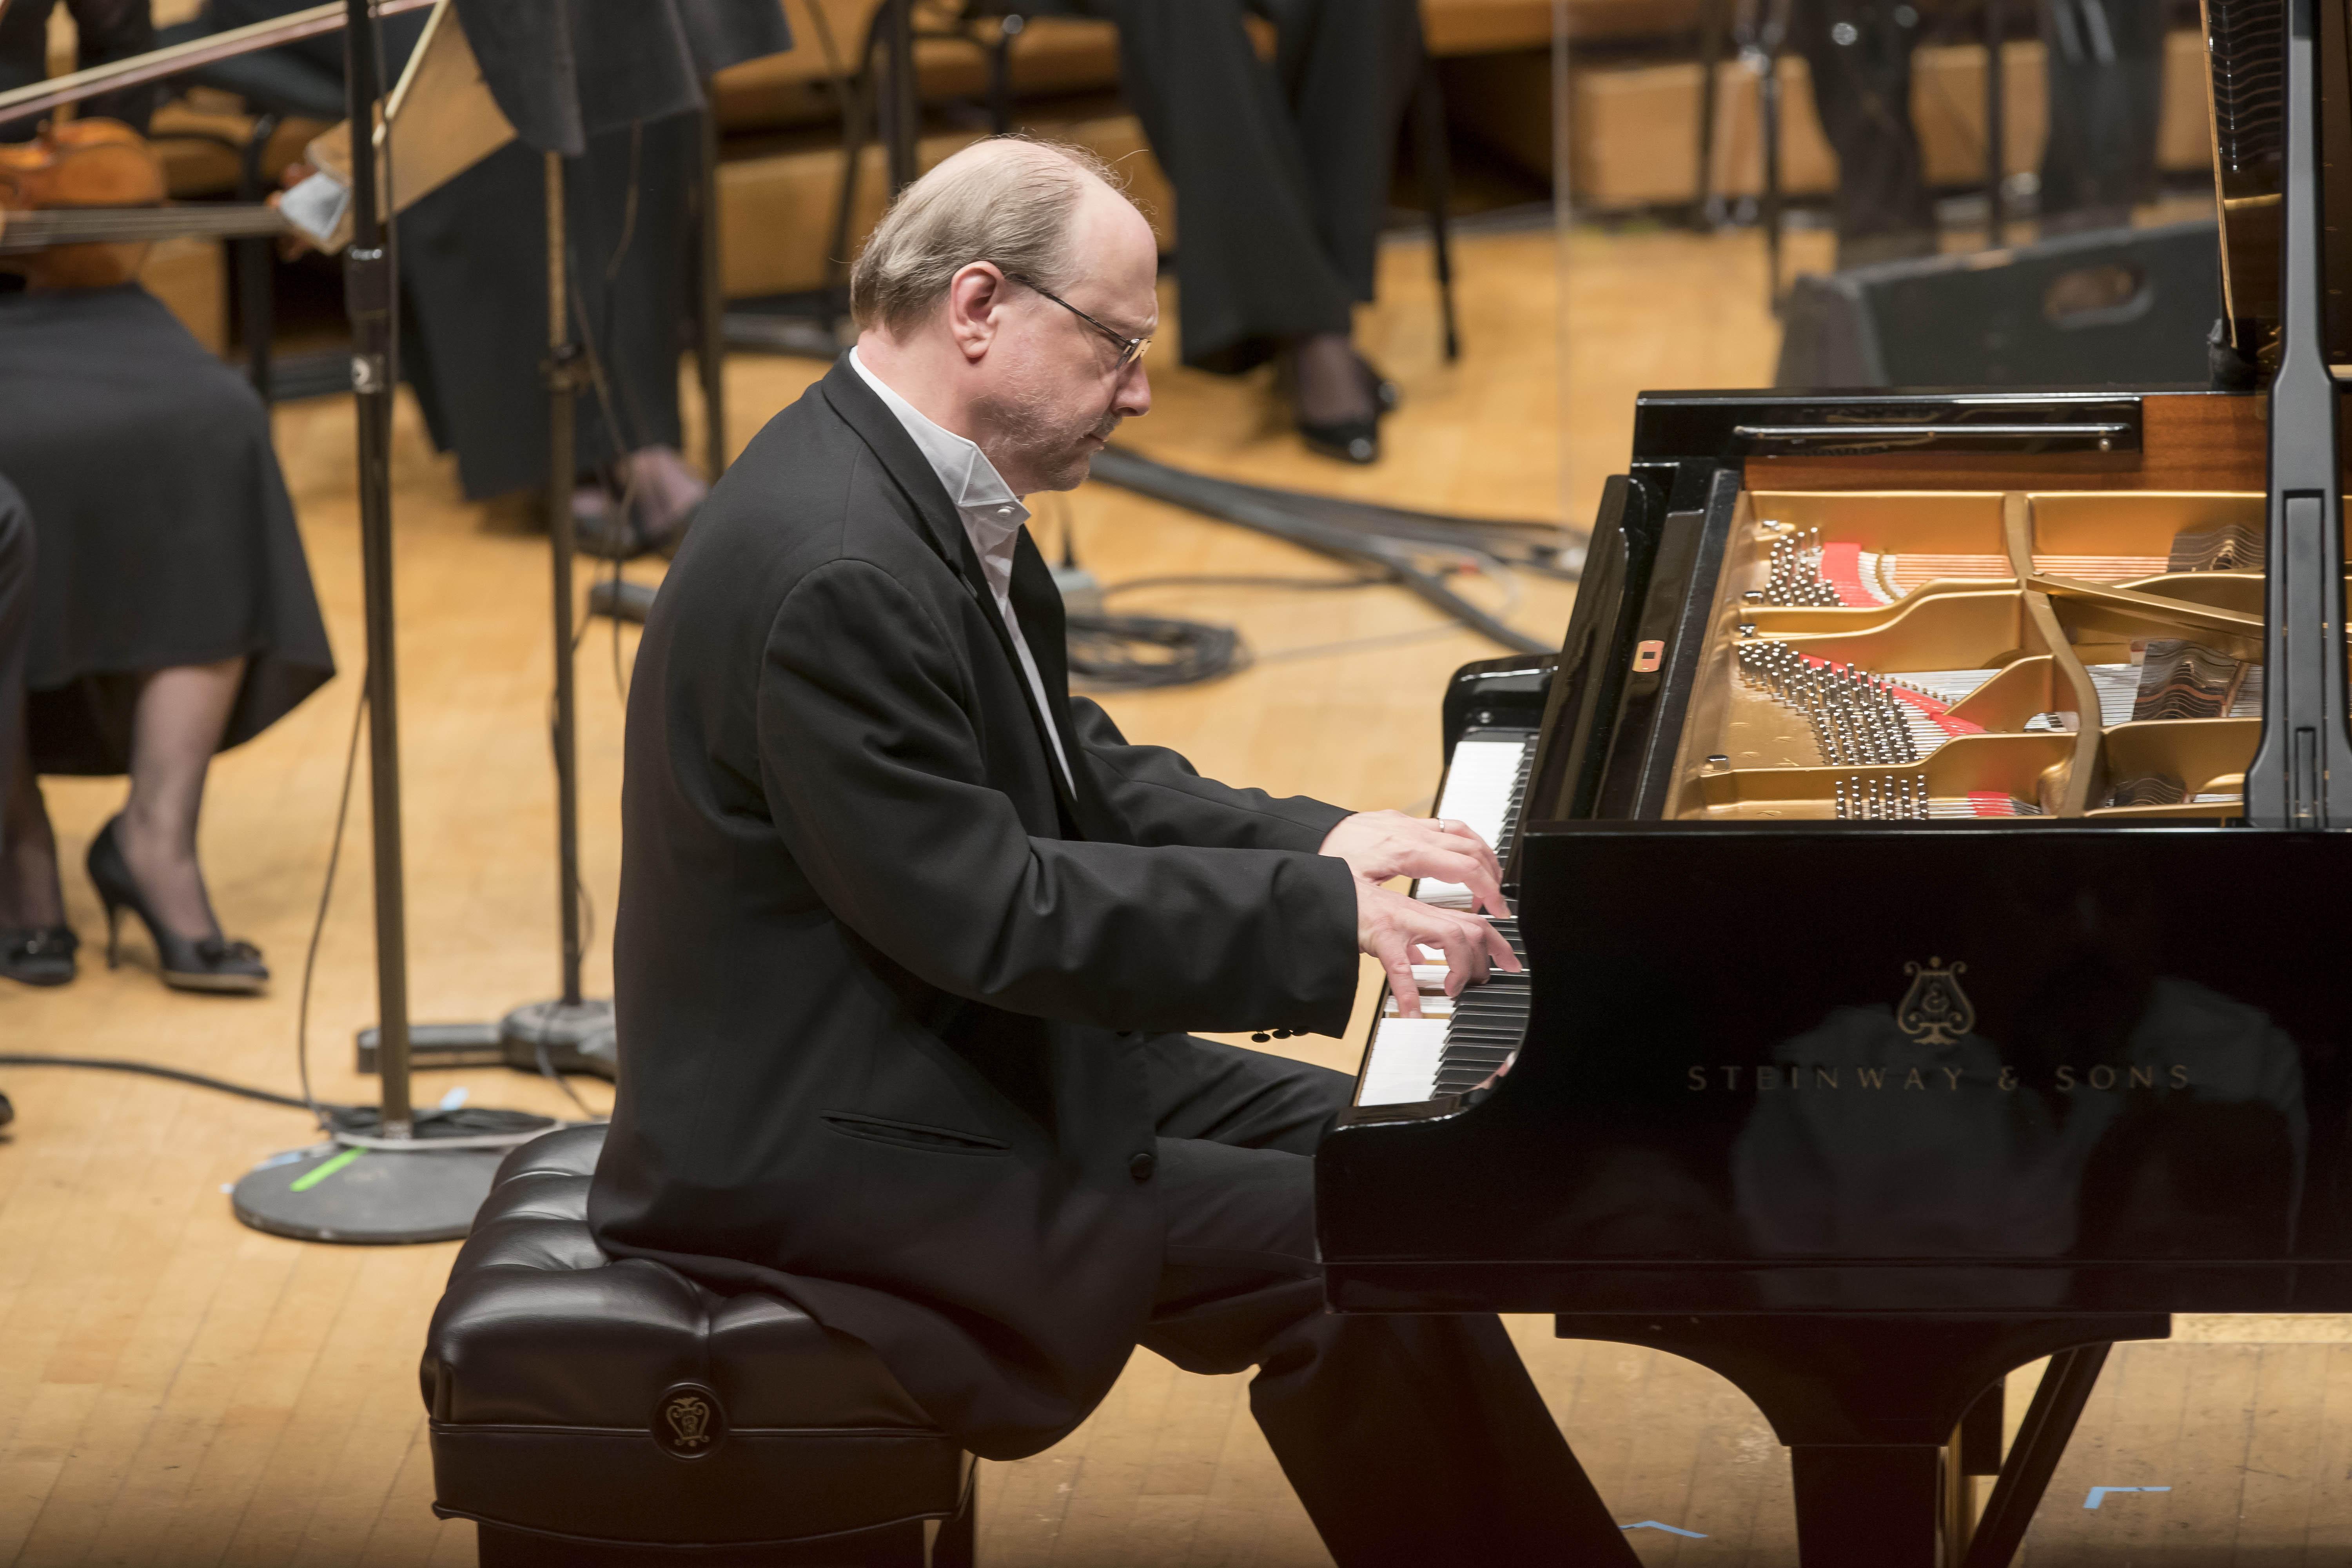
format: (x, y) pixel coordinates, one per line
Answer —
(1008, 200)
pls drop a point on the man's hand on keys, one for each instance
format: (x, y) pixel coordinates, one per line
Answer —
(1392, 928)
(1381, 845)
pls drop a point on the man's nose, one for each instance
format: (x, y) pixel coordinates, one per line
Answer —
(1134, 393)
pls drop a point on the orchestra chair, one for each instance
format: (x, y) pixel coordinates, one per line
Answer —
(597, 1412)
(874, 108)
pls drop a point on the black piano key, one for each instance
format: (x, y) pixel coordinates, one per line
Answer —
(1489, 1021)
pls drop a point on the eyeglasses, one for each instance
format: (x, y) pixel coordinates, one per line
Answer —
(1129, 349)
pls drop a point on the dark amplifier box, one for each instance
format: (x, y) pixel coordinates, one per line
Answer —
(2109, 305)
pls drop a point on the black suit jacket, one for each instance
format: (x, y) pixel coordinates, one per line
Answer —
(882, 974)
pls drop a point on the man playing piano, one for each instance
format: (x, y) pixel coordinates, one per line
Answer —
(905, 932)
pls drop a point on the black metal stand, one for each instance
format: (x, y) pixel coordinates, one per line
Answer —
(392, 1186)
(571, 1033)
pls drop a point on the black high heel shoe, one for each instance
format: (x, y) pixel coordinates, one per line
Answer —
(201, 964)
(1349, 440)
(38, 955)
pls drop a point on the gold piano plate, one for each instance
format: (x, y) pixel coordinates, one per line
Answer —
(1926, 654)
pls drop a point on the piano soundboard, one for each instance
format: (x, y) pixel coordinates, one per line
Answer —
(1459, 1043)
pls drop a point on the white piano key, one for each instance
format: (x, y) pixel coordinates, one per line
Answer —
(1402, 1066)
(1477, 792)
(1436, 1005)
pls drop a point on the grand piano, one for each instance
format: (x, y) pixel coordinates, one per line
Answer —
(1921, 850)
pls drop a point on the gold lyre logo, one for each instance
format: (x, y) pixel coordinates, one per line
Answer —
(689, 1421)
(1934, 1011)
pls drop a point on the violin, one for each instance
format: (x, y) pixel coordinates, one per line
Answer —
(82, 202)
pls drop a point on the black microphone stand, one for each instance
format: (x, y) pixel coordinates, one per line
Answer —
(572, 1033)
(390, 1185)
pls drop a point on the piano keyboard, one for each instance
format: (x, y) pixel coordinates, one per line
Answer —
(1460, 1043)
(1484, 788)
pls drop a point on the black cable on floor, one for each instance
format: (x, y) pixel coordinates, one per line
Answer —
(1137, 652)
(452, 1121)
(1373, 537)
(326, 895)
(177, 1075)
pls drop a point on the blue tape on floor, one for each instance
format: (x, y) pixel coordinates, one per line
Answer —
(1670, 1529)
(2098, 1493)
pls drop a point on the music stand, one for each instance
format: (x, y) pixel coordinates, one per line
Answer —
(391, 1186)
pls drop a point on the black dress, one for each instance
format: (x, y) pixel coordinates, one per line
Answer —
(165, 533)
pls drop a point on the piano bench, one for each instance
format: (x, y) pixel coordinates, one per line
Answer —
(598, 1413)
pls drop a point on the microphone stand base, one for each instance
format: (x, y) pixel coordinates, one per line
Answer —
(367, 1197)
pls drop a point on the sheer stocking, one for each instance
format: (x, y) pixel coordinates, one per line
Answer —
(30, 898)
(1329, 381)
(177, 725)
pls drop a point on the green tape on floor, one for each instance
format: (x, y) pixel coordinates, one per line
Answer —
(309, 1178)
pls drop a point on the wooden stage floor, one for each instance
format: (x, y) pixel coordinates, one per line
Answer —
(177, 1390)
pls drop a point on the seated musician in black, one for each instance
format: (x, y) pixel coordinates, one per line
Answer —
(905, 932)
(1282, 181)
(172, 615)
(105, 31)
(473, 265)
(2104, 68)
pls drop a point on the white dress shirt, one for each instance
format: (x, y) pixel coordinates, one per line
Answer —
(992, 516)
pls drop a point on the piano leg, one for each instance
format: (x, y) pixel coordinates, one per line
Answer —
(1866, 1507)
(1868, 1406)
(2041, 1441)
(1980, 1437)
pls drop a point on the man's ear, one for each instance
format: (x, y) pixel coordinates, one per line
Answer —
(975, 301)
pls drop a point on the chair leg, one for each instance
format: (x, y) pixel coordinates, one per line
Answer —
(1714, 36)
(1768, 110)
(1436, 184)
(710, 302)
(2049, 1422)
(1000, 72)
(861, 110)
(254, 306)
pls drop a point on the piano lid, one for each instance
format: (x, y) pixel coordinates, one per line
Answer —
(2244, 52)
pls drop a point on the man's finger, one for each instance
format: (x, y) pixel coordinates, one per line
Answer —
(1454, 829)
(1482, 876)
(1401, 982)
(1477, 852)
(1499, 948)
(1465, 959)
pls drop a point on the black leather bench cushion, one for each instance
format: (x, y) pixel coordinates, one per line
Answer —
(552, 1372)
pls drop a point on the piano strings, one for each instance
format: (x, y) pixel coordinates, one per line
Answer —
(1806, 571)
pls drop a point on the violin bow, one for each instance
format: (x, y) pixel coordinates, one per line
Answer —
(19, 104)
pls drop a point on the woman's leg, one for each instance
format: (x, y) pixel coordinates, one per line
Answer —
(177, 725)
(31, 899)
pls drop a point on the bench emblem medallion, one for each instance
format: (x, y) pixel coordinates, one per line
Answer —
(688, 1421)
